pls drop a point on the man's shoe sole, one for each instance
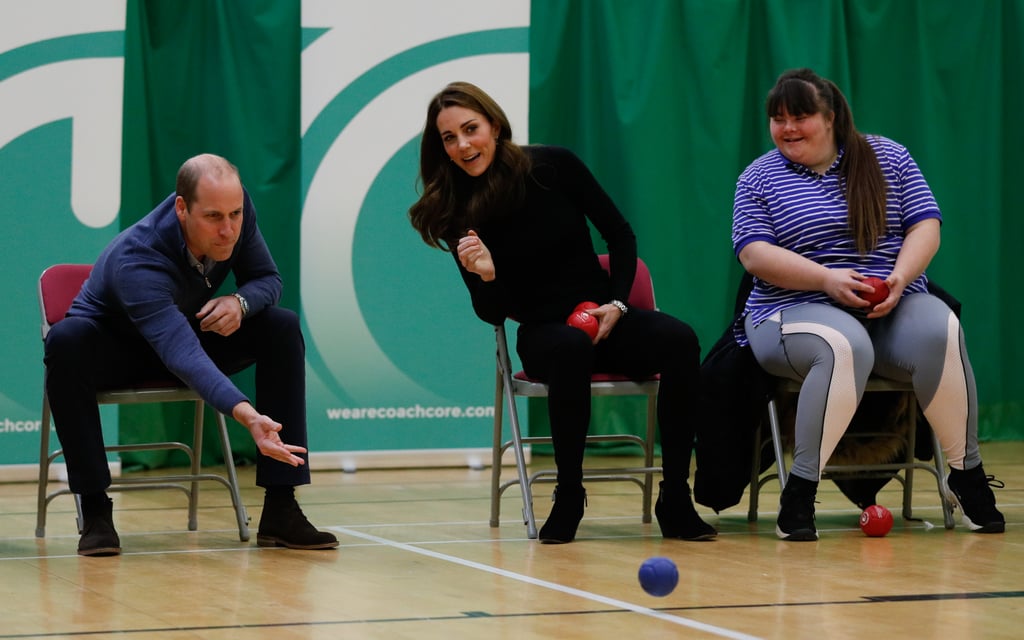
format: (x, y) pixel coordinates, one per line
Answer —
(100, 551)
(273, 541)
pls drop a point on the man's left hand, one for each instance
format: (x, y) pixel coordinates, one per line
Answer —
(221, 315)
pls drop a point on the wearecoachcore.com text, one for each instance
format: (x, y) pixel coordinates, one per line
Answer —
(19, 426)
(415, 411)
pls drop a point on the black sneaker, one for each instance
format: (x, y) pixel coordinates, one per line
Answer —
(99, 538)
(971, 492)
(796, 510)
(282, 524)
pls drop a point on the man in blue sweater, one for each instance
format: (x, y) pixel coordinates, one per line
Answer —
(148, 308)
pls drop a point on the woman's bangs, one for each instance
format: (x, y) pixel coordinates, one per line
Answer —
(795, 97)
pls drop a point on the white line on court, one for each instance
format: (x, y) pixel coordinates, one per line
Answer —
(620, 604)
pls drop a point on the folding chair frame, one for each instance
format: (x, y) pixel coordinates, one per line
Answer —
(186, 482)
(877, 470)
(509, 386)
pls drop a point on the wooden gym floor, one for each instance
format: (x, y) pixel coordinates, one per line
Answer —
(418, 560)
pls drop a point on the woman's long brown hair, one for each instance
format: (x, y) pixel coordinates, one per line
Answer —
(451, 201)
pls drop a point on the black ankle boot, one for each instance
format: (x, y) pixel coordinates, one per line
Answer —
(796, 510)
(677, 516)
(565, 516)
(99, 538)
(282, 524)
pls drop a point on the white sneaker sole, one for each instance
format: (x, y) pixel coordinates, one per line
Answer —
(800, 535)
(954, 501)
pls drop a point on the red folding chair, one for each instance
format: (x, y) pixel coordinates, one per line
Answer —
(510, 385)
(58, 286)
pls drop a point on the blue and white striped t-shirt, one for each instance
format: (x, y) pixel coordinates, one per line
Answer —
(789, 205)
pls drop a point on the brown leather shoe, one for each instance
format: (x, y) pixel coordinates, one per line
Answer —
(282, 524)
(99, 538)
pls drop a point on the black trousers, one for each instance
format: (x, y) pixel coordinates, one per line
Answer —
(641, 344)
(83, 356)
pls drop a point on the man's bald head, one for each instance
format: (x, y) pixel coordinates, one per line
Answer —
(205, 164)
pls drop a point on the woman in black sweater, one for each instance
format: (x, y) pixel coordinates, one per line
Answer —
(516, 221)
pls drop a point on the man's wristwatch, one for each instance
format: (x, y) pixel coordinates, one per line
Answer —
(242, 302)
(621, 305)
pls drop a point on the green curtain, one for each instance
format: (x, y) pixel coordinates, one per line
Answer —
(664, 101)
(219, 76)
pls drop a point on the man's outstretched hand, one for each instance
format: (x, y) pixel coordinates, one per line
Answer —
(264, 432)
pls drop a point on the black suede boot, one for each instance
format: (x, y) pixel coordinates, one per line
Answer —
(677, 516)
(796, 510)
(99, 538)
(565, 516)
(282, 524)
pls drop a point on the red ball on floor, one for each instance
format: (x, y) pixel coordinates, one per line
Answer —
(876, 521)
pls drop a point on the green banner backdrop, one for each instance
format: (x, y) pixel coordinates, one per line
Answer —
(104, 99)
(221, 77)
(276, 91)
(60, 136)
(664, 100)
(661, 98)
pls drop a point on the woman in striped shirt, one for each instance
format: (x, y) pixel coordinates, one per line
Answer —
(813, 220)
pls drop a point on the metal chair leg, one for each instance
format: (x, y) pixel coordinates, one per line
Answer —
(755, 476)
(496, 452)
(524, 481)
(241, 516)
(44, 469)
(196, 455)
(776, 427)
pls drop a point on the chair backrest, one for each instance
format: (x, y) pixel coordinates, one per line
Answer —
(58, 286)
(641, 295)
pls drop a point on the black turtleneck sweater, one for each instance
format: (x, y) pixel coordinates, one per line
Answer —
(544, 259)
